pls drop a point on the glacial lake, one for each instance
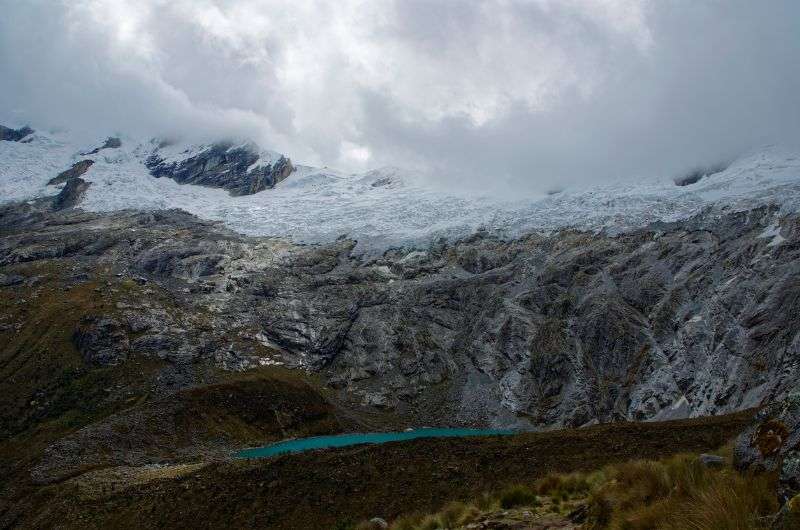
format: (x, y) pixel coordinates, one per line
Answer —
(343, 440)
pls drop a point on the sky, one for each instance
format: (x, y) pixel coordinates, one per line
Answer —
(495, 95)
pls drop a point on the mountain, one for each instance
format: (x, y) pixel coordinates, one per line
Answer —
(383, 208)
(241, 169)
(150, 326)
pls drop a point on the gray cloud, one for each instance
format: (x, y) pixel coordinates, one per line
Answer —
(500, 94)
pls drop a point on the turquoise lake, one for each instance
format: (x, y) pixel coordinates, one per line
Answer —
(343, 440)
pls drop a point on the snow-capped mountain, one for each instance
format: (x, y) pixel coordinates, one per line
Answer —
(224, 181)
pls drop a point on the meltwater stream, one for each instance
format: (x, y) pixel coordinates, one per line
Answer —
(344, 440)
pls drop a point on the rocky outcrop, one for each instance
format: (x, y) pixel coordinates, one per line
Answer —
(110, 143)
(772, 443)
(72, 194)
(77, 169)
(696, 175)
(223, 165)
(14, 135)
(697, 317)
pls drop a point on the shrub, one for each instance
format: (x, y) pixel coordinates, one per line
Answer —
(517, 496)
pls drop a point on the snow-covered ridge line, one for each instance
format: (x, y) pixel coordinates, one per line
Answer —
(387, 207)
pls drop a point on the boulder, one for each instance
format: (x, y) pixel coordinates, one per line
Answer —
(711, 460)
(772, 442)
(377, 523)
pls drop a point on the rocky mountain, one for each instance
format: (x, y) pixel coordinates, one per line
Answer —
(683, 319)
(240, 169)
(140, 341)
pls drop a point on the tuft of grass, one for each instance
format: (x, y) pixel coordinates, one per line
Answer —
(486, 502)
(680, 493)
(519, 495)
(451, 514)
(408, 522)
(601, 510)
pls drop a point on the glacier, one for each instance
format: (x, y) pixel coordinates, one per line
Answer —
(390, 207)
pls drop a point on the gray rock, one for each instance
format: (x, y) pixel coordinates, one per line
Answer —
(224, 166)
(102, 341)
(772, 442)
(711, 460)
(690, 318)
(14, 135)
(110, 143)
(697, 174)
(378, 524)
(71, 195)
(7, 280)
(77, 169)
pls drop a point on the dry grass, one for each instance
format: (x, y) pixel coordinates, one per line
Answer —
(515, 496)
(680, 493)
(676, 493)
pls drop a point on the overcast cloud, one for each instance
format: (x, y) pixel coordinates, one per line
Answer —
(500, 94)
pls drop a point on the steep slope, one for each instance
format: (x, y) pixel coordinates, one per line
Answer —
(241, 169)
(691, 318)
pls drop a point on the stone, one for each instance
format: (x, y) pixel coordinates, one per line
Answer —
(102, 341)
(579, 515)
(378, 524)
(110, 143)
(711, 460)
(14, 135)
(71, 195)
(7, 280)
(772, 442)
(77, 169)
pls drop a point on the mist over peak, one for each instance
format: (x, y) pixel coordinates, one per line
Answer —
(502, 97)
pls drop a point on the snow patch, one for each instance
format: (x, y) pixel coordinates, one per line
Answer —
(773, 232)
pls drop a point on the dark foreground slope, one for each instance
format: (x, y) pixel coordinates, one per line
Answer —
(317, 490)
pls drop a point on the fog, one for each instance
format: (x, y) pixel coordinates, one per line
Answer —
(502, 96)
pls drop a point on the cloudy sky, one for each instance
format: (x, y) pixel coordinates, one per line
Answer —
(501, 94)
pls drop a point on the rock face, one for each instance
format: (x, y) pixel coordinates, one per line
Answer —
(692, 318)
(110, 143)
(72, 194)
(696, 175)
(223, 165)
(772, 442)
(77, 169)
(14, 135)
